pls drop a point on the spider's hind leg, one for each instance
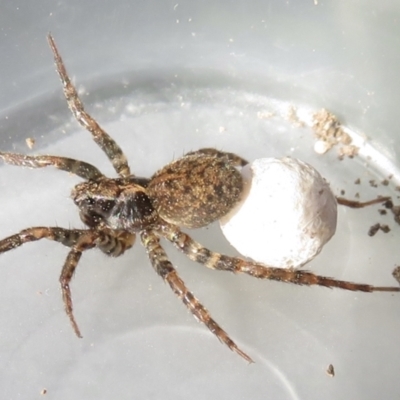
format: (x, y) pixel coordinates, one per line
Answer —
(196, 252)
(361, 204)
(165, 269)
(102, 138)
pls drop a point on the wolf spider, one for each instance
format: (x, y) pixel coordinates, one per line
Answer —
(191, 192)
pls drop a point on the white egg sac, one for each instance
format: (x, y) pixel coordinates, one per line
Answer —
(287, 214)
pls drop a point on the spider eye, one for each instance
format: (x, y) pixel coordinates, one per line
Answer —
(89, 201)
(105, 205)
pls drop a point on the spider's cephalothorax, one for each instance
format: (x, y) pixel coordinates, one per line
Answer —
(191, 192)
(119, 204)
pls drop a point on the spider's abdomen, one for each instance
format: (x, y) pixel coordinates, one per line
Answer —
(195, 190)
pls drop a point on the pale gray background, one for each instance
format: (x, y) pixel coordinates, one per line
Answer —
(163, 77)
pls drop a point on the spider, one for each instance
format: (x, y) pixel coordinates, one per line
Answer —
(190, 192)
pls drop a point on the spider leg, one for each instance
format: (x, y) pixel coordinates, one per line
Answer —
(113, 243)
(359, 204)
(68, 237)
(164, 268)
(196, 252)
(231, 158)
(110, 242)
(106, 143)
(79, 168)
(66, 275)
(86, 241)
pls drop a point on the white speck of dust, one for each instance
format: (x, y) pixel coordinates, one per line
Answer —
(321, 147)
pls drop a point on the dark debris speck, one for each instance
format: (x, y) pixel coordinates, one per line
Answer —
(396, 273)
(373, 183)
(375, 228)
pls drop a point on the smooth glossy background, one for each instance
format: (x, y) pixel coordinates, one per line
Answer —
(165, 78)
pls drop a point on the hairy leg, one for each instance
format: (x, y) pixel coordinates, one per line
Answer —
(110, 242)
(360, 204)
(68, 237)
(106, 143)
(85, 242)
(232, 158)
(113, 243)
(76, 167)
(196, 252)
(65, 278)
(165, 269)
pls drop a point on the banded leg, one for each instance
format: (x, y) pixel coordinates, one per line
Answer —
(79, 168)
(116, 242)
(111, 243)
(360, 204)
(196, 252)
(164, 268)
(106, 143)
(232, 158)
(85, 242)
(67, 237)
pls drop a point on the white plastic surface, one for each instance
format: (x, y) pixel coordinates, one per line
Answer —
(165, 78)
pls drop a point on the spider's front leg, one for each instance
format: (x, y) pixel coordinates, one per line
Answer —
(79, 240)
(112, 243)
(196, 252)
(85, 242)
(79, 168)
(67, 237)
(165, 269)
(102, 138)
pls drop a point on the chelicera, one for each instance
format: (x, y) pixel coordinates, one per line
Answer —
(190, 192)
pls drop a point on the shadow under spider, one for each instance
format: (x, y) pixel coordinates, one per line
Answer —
(190, 192)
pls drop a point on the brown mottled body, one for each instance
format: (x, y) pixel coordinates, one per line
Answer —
(205, 187)
(190, 192)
